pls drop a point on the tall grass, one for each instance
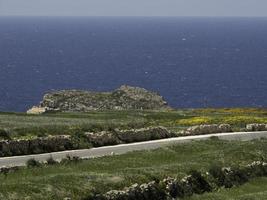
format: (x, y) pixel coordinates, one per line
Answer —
(21, 125)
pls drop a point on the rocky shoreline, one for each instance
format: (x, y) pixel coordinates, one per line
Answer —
(124, 98)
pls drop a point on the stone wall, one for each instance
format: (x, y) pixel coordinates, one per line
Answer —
(256, 127)
(195, 183)
(128, 136)
(143, 134)
(207, 129)
(35, 146)
(103, 138)
(67, 142)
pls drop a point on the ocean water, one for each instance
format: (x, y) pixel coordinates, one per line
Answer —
(192, 62)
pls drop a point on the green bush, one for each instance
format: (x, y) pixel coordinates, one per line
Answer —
(51, 161)
(199, 183)
(256, 169)
(94, 196)
(80, 141)
(176, 190)
(33, 163)
(70, 159)
(5, 134)
(238, 176)
(228, 177)
(216, 172)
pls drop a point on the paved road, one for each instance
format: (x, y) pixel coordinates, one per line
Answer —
(124, 148)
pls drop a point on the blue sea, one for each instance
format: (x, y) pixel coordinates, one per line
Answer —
(192, 62)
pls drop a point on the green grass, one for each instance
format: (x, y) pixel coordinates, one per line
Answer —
(77, 180)
(21, 125)
(253, 190)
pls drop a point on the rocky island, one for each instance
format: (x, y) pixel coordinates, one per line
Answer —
(124, 98)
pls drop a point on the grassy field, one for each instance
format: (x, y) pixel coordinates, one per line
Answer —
(77, 180)
(21, 125)
(253, 190)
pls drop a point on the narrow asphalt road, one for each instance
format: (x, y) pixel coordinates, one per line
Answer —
(124, 148)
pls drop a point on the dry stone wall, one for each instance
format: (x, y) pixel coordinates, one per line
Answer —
(67, 142)
(207, 129)
(127, 136)
(256, 127)
(195, 183)
(35, 146)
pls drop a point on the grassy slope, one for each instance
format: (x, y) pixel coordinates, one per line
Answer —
(253, 190)
(22, 125)
(77, 180)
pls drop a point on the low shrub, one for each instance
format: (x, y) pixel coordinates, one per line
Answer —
(80, 141)
(94, 196)
(51, 161)
(199, 183)
(33, 163)
(195, 121)
(243, 120)
(5, 134)
(256, 169)
(175, 189)
(70, 159)
(228, 177)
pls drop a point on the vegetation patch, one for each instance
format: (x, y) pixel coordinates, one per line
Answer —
(243, 120)
(195, 121)
(77, 179)
(23, 126)
(194, 183)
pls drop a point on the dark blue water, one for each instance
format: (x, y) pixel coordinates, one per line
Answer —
(192, 62)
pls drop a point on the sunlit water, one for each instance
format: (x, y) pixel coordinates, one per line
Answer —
(192, 62)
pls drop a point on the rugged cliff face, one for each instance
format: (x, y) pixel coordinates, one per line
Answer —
(123, 98)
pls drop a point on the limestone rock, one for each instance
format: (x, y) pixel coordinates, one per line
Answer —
(37, 110)
(123, 98)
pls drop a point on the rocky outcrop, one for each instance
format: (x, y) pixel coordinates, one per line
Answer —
(207, 129)
(123, 98)
(37, 110)
(256, 127)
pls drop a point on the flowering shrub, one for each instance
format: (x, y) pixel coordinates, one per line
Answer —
(242, 120)
(195, 121)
